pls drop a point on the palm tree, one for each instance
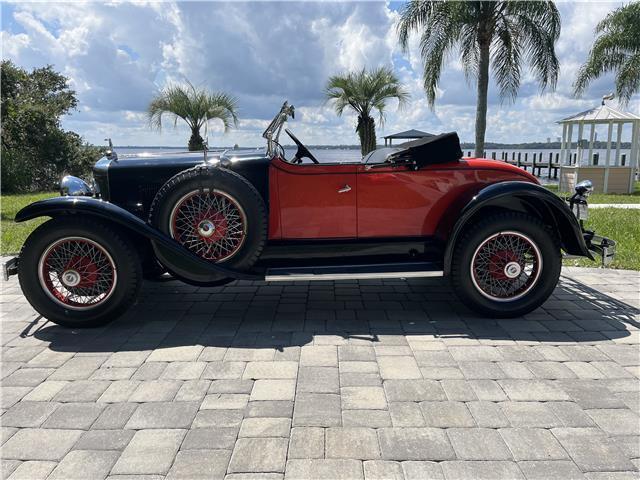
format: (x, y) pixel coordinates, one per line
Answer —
(617, 48)
(501, 34)
(195, 106)
(365, 91)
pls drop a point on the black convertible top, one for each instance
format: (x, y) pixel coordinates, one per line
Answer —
(441, 148)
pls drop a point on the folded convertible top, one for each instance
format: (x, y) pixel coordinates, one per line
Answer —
(441, 148)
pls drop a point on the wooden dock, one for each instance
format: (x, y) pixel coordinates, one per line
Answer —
(536, 162)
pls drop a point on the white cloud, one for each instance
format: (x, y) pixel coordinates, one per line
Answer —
(118, 54)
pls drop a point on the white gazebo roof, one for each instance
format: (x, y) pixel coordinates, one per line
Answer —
(600, 114)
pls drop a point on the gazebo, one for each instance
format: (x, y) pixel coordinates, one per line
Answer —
(615, 173)
(408, 135)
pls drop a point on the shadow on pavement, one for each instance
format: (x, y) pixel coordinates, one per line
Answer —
(259, 315)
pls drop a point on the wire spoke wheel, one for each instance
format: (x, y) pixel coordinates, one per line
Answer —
(210, 223)
(77, 273)
(506, 266)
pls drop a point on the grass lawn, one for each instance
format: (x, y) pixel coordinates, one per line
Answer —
(14, 234)
(605, 197)
(622, 225)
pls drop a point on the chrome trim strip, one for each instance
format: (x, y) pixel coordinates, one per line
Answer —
(351, 276)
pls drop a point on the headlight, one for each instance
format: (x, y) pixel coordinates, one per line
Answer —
(584, 188)
(75, 187)
(578, 201)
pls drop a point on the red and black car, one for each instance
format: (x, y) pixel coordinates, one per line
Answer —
(415, 210)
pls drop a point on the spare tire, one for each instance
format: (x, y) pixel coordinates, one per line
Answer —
(216, 214)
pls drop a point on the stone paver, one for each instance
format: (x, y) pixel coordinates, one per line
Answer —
(379, 379)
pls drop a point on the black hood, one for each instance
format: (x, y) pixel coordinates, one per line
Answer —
(132, 181)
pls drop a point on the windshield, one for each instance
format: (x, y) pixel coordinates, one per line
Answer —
(380, 155)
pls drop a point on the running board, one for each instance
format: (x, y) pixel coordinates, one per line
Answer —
(354, 272)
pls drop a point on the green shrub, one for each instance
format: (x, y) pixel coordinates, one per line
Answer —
(36, 151)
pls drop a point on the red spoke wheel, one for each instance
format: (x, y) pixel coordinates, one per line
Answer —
(77, 272)
(210, 223)
(506, 266)
(216, 214)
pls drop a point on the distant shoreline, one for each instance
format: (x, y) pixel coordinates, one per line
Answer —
(488, 146)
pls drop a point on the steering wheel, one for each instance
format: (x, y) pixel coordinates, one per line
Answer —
(302, 150)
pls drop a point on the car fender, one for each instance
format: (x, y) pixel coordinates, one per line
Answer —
(523, 197)
(94, 207)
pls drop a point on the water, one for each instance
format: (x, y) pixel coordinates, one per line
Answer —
(334, 155)
(324, 155)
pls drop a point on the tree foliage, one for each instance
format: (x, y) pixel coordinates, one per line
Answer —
(195, 106)
(617, 49)
(503, 35)
(366, 92)
(36, 151)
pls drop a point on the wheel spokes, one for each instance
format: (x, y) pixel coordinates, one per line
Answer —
(77, 272)
(505, 266)
(221, 213)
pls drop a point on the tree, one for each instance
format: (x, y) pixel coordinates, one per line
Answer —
(617, 49)
(36, 151)
(195, 106)
(365, 91)
(500, 34)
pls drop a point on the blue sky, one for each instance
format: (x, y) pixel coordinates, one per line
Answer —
(119, 54)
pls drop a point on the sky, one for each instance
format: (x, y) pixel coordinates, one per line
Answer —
(117, 55)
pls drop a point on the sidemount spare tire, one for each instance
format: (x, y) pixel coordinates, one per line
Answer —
(216, 214)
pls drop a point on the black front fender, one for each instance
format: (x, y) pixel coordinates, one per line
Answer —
(523, 197)
(94, 207)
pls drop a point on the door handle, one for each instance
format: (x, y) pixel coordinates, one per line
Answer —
(345, 189)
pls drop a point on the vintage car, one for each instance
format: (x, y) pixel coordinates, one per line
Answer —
(416, 210)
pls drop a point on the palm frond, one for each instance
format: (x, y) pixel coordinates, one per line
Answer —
(616, 49)
(364, 91)
(193, 105)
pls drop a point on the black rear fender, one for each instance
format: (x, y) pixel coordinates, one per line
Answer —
(129, 223)
(521, 197)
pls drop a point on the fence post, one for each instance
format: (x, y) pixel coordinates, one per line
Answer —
(550, 162)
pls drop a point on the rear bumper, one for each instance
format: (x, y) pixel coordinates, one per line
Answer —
(601, 247)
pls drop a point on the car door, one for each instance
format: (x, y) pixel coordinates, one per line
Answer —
(395, 201)
(316, 201)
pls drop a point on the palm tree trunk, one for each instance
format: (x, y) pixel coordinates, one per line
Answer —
(367, 132)
(481, 107)
(196, 142)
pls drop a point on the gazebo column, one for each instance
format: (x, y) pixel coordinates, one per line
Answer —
(591, 139)
(618, 144)
(579, 144)
(635, 151)
(563, 145)
(607, 158)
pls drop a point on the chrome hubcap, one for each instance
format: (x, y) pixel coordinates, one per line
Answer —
(206, 228)
(512, 270)
(70, 278)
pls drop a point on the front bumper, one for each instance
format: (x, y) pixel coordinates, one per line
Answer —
(601, 247)
(9, 268)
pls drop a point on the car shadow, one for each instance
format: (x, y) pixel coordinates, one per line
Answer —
(260, 315)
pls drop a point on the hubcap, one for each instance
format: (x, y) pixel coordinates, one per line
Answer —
(506, 266)
(512, 270)
(206, 228)
(210, 223)
(70, 278)
(77, 273)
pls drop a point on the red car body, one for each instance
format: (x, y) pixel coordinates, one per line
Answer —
(381, 203)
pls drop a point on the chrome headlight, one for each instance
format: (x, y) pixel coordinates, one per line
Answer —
(584, 188)
(578, 201)
(75, 187)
